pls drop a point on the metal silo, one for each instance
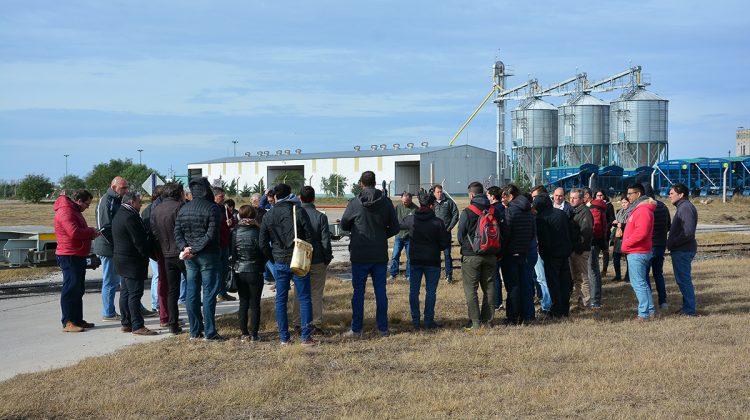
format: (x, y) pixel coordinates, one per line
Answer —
(638, 129)
(534, 130)
(583, 131)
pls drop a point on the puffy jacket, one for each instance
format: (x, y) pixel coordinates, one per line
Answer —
(108, 205)
(598, 211)
(162, 222)
(552, 229)
(371, 219)
(71, 230)
(402, 211)
(277, 231)
(585, 221)
(682, 231)
(246, 252)
(639, 228)
(662, 220)
(131, 247)
(197, 224)
(467, 225)
(322, 251)
(518, 229)
(429, 237)
(447, 211)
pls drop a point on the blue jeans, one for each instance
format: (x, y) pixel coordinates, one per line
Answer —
(183, 290)
(657, 270)
(202, 271)
(638, 265)
(154, 285)
(359, 280)
(541, 279)
(681, 264)
(110, 283)
(270, 268)
(398, 245)
(448, 263)
(283, 275)
(432, 278)
(223, 270)
(527, 287)
(595, 277)
(74, 286)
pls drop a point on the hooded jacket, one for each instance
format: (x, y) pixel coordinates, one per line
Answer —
(637, 238)
(552, 229)
(197, 224)
(682, 232)
(371, 219)
(429, 237)
(71, 230)
(467, 224)
(585, 221)
(131, 247)
(519, 228)
(277, 231)
(105, 212)
(162, 222)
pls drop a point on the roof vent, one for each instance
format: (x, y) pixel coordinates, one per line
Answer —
(266, 153)
(248, 154)
(356, 148)
(396, 146)
(279, 152)
(383, 146)
(298, 151)
(374, 146)
(409, 145)
(287, 152)
(425, 144)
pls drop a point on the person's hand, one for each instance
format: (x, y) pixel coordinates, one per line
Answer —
(229, 222)
(97, 233)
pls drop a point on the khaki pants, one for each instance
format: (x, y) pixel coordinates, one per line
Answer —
(579, 271)
(318, 273)
(478, 272)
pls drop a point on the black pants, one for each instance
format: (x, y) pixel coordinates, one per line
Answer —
(560, 285)
(513, 267)
(175, 268)
(131, 292)
(74, 285)
(250, 287)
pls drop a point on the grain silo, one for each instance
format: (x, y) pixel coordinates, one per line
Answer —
(534, 130)
(638, 129)
(583, 131)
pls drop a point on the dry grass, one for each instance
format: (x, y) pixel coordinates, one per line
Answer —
(592, 366)
(10, 275)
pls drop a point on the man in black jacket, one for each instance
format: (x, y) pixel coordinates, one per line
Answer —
(682, 245)
(553, 236)
(583, 222)
(517, 233)
(131, 250)
(196, 234)
(162, 223)
(321, 258)
(371, 219)
(662, 222)
(447, 211)
(478, 271)
(278, 229)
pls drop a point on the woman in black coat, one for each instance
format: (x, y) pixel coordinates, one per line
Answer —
(249, 264)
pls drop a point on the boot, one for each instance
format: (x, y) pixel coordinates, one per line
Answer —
(71, 327)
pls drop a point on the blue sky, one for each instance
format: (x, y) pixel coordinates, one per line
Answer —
(182, 79)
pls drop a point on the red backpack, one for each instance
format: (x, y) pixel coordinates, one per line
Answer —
(486, 240)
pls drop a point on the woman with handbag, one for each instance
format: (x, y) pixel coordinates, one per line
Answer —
(249, 264)
(618, 227)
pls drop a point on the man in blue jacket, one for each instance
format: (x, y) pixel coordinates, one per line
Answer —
(371, 219)
(682, 245)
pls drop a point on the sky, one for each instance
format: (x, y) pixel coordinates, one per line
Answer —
(181, 80)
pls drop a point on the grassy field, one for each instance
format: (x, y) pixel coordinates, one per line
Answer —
(595, 365)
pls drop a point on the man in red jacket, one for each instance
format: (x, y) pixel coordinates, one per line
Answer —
(73, 246)
(636, 243)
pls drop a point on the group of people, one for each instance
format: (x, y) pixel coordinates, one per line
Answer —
(531, 243)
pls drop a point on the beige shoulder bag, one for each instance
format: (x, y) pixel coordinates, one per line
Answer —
(302, 255)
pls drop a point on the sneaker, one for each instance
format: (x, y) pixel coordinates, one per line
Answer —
(148, 314)
(664, 306)
(115, 317)
(71, 327)
(85, 324)
(245, 337)
(432, 326)
(216, 338)
(352, 334)
(126, 329)
(470, 327)
(197, 337)
(176, 330)
(228, 297)
(255, 338)
(144, 331)
(385, 333)
(407, 279)
(310, 342)
(449, 280)
(284, 343)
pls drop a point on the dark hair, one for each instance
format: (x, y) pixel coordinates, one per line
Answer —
(681, 188)
(172, 190)
(217, 190)
(496, 192)
(247, 212)
(426, 198)
(476, 188)
(437, 186)
(648, 190)
(307, 194)
(637, 186)
(407, 194)
(82, 195)
(130, 196)
(540, 188)
(282, 191)
(230, 203)
(367, 179)
(587, 190)
(512, 190)
(158, 191)
(604, 193)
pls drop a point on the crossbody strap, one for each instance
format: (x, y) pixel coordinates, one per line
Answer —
(294, 219)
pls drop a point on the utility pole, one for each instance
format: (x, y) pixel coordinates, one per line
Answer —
(140, 155)
(66, 165)
(234, 142)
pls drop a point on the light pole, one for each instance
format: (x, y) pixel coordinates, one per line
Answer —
(66, 165)
(234, 142)
(140, 155)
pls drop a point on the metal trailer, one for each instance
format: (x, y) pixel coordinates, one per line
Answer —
(27, 245)
(740, 170)
(711, 176)
(638, 129)
(570, 177)
(583, 131)
(534, 130)
(684, 171)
